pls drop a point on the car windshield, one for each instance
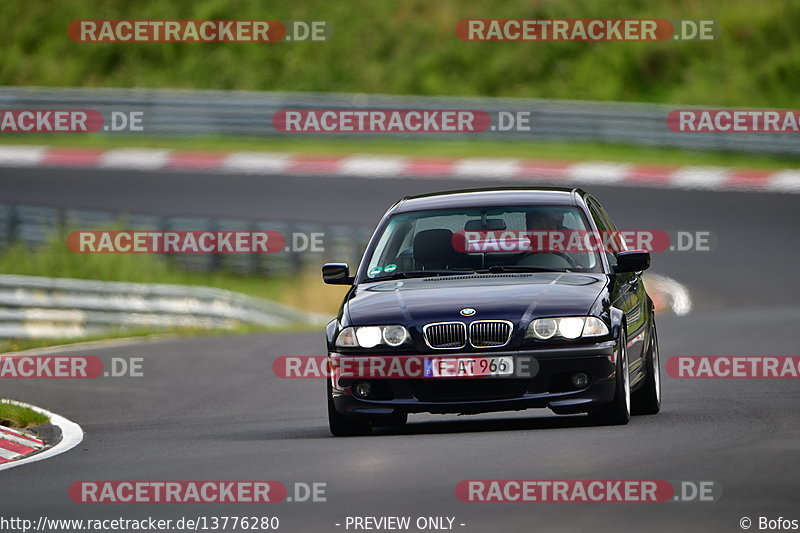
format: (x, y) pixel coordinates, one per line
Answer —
(492, 240)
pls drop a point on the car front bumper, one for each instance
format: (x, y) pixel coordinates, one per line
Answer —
(545, 383)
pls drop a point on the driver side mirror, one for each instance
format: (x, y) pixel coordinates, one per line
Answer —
(337, 274)
(632, 261)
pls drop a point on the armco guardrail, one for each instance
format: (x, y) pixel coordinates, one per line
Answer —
(193, 113)
(36, 225)
(38, 307)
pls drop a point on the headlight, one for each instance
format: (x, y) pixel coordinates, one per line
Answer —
(543, 328)
(569, 327)
(371, 336)
(394, 335)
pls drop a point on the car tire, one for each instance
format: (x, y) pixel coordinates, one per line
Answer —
(344, 426)
(647, 400)
(617, 412)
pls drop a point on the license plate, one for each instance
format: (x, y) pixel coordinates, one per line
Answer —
(459, 367)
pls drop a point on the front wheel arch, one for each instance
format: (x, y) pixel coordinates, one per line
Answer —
(617, 318)
(618, 410)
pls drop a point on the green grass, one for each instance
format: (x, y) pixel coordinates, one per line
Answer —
(410, 47)
(54, 259)
(567, 151)
(16, 416)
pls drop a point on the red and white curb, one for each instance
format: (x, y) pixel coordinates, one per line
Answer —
(15, 444)
(369, 166)
(18, 448)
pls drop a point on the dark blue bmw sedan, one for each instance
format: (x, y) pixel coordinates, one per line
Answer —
(493, 300)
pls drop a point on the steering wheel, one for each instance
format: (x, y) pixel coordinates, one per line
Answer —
(565, 256)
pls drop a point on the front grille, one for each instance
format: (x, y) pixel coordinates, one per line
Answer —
(445, 335)
(489, 333)
(465, 390)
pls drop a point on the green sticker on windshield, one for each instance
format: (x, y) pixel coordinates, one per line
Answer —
(390, 268)
(374, 271)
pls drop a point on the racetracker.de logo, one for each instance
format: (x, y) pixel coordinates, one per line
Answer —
(565, 490)
(592, 30)
(734, 367)
(50, 366)
(50, 121)
(176, 242)
(381, 121)
(198, 31)
(402, 367)
(734, 121)
(161, 31)
(68, 121)
(515, 241)
(177, 492)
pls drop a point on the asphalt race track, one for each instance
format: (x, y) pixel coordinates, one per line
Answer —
(210, 408)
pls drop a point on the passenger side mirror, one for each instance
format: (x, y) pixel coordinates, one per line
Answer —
(632, 261)
(337, 274)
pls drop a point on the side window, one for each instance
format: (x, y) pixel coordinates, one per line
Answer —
(605, 228)
(619, 241)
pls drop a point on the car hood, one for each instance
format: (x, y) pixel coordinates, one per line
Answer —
(512, 297)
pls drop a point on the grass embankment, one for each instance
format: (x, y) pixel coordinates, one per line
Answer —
(455, 148)
(303, 291)
(16, 416)
(411, 47)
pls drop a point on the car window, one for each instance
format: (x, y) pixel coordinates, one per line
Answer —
(467, 239)
(608, 232)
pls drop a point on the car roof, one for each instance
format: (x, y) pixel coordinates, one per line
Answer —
(489, 197)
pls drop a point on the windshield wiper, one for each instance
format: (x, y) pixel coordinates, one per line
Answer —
(421, 274)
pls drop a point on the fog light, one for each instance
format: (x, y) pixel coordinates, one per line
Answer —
(580, 380)
(362, 389)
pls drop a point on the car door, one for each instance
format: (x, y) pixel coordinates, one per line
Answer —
(627, 293)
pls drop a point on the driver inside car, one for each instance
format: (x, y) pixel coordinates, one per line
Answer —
(551, 257)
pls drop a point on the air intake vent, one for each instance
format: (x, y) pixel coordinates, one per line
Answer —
(490, 333)
(467, 390)
(443, 335)
(478, 276)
